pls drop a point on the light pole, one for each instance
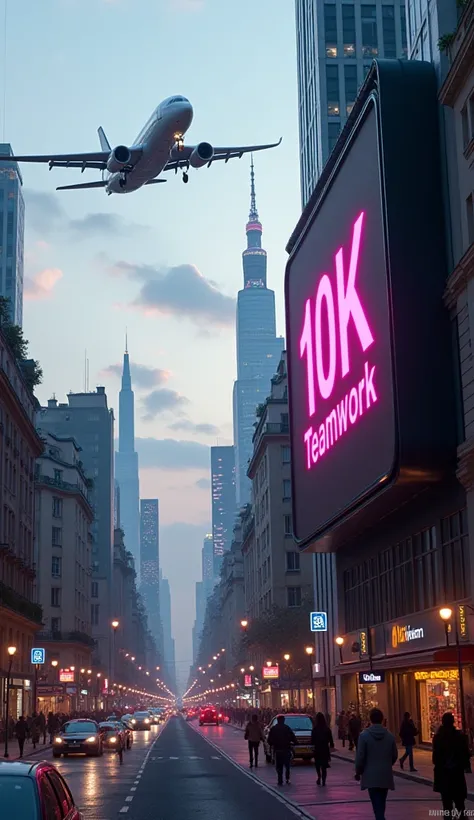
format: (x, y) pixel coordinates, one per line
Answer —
(340, 643)
(445, 613)
(310, 651)
(11, 651)
(115, 625)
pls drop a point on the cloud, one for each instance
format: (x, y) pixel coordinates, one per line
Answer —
(44, 213)
(172, 454)
(111, 224)
(41, 285)
(180, 291)
(186, 424)
(161, 401)
(142, 376)
(203, 484)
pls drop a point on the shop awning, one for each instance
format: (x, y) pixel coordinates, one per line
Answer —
(449, 655)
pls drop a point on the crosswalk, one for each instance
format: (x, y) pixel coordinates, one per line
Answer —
(186, 757)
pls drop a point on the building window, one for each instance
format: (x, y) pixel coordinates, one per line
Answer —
(330, 29)
(470, 218)
(403, 26)
(95, 589)
(369, 31)
(332, 90)
(55, 596)
(334, 129)
(58, 475)
(288, 521)
(286, 488)
(294, 596)
(465, 127)
(388, 30)
(57, 536)
(285, 454)
(94, 614)
(55, 624)
(350, 84)
(56, 566)
(454, 545)
(292, 562)
(57, 507)
(348, 30)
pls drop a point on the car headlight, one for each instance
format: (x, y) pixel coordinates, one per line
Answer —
(91, 739)
(112, 739)
(58, 740)
(134, 721)
(146, 720)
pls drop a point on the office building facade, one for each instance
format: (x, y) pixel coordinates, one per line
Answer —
(87, 418)
(223, 501)
(12, 231)
(258, 347)
(126, 467)
(150, 565)
(336, 43)
(168, 641)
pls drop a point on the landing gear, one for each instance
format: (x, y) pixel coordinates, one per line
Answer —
(185, 177)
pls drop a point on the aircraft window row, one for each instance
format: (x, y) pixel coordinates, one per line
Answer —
(176, 99)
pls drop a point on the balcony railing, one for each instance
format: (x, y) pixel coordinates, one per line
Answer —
(66, 486)
(18, 603)
(67, 637)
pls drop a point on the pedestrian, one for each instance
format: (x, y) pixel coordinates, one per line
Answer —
(451, 761)
(254, 736)
(408, 733)
(322, 742)
(355, 727)
(21, 731)
(34, 729)
(42, 726)
(53, 725)
(375, 756)
(281, 738)
(342, 722)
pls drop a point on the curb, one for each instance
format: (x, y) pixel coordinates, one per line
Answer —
(39, 750)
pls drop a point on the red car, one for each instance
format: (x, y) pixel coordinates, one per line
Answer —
(35, 790)
(209, 715)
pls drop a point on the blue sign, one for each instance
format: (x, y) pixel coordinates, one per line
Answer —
(318, 621)
(38, 655)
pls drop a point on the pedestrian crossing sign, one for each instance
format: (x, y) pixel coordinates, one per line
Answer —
(37, 656)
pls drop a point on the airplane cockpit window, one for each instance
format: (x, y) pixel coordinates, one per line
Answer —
(176, 99)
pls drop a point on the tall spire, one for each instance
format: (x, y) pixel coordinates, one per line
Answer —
(126, 407)
(253, 215)
(126, 378)
(126, 340)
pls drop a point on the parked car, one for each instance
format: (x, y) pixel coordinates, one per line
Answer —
(79, 736)
(302, 726)
(35, 790)
(209, 715)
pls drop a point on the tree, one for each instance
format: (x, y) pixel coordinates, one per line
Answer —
(30, 368)
(280, 631)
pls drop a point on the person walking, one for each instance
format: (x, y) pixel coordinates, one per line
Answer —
(281, 738)
(354, 727)
(451, 760)
(254, 736)
(21, 731)
(408, 733)
(42, 726)
(342, 722)
(322, 742)
(53, 725)
(34, 729)
(375, 756)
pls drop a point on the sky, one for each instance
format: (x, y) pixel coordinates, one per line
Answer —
(164, 262)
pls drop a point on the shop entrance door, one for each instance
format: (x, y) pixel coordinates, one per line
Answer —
(436, 698)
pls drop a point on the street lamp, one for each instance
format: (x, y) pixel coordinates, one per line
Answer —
(244, 623)
(340, 643)
(11, 651)
(446, 613)
(310, 651)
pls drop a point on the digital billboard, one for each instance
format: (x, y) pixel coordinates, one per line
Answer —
(363, 333)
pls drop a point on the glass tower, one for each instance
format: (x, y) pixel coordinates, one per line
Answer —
(12, 232)
(126, 466)
(150, 565)
(258, 348)
(223, 502)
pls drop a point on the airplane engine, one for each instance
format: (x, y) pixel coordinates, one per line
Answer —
(201, 155)
(119, 157)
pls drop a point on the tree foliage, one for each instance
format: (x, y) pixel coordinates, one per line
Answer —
(30, 368)
(281, 631)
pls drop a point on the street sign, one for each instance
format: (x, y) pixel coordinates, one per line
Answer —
(38, 655)
(47, 690)
(247, 680)
(271, 672)
(318, 621)
(66, 676)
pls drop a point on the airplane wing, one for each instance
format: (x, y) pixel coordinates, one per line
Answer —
(96, 159)
(180, 159)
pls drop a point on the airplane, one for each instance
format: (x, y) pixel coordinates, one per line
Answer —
(159, 147)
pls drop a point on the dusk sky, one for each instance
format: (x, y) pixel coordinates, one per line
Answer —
(165, 262)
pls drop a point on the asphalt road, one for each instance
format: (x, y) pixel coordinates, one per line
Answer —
(171, 773)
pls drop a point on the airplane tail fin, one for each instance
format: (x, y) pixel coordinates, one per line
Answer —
(104, 143)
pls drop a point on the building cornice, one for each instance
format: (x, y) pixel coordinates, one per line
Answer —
(459, 279)
(462, 50)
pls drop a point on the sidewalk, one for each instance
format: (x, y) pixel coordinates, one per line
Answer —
(28, 750)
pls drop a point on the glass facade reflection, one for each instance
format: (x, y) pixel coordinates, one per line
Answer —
(12, 231)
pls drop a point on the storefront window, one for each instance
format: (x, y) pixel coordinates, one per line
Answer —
(439, 693)
(369, 698)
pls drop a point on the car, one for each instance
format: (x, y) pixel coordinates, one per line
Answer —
(141, 720)
(35, 790)
(128, 730)
(302, 726)
(79, 736)
(155, 715)
(208, 715)
(113, 734)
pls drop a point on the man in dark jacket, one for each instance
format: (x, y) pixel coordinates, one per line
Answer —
(355, 727)
(21, 730)
(281, 738)
(408, 733)
(451, 762)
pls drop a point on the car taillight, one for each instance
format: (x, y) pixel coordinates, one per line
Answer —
(220, 716)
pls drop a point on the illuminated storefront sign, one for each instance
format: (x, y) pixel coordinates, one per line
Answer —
(363, 643)
(355, 293)
(371, 677)
(270, 672)
(437, 674)
(403, 634)
(462, 622)
(66, 676)
(247, 680)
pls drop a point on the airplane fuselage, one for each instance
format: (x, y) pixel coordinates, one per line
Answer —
(168, 123)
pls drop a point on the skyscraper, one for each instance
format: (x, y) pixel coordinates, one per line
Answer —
(207, 561)
(168, 642)
(150, 565)
(258, 348)
(87, 418)
(12, 230)
(223, 502)
(126, 466)
(336, 43)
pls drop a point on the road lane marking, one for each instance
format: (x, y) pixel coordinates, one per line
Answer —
(213, 757)
(174, 758)
(124, 809)
(129, 798)
(133, 789)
